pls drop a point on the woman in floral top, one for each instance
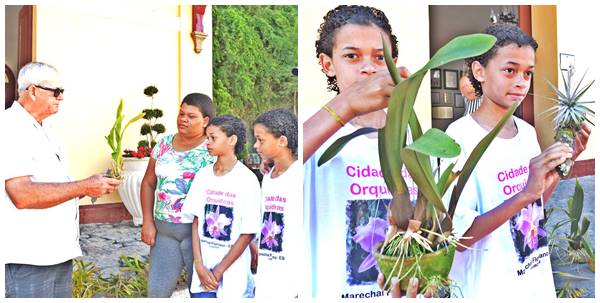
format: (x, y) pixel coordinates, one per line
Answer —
(175, 160)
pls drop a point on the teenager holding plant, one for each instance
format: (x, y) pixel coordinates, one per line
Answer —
(345, 199)
(225, 200)
(500, 212)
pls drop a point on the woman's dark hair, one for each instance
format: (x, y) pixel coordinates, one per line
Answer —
(505, 34)
(202, 102)
(231, 125)
(350, 14)
(281, 122)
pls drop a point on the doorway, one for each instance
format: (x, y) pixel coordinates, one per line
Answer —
(449, 21)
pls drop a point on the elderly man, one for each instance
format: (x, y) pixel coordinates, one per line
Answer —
(39, 208)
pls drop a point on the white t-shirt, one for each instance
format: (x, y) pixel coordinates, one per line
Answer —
(36, 236)
(280, 243)
(509, 262)
(226, 206)
(345, 211)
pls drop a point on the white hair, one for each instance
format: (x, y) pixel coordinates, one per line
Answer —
(35, 73)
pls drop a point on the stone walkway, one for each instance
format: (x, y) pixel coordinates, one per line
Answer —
(104, 243)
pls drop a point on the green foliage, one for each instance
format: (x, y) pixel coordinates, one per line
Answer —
(158, 128)
(145, 129)
(143, 143)
(85, 279)
(151, 129)
(254, 51)
(130, 283)
(150, 91)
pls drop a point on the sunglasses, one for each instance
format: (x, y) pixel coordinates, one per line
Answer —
(57, 91)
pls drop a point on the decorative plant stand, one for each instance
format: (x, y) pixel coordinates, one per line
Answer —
(129, 190)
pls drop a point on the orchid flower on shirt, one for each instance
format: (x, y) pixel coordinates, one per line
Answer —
(368, 236)
(269, 230)
(216, 222)
(528, 223)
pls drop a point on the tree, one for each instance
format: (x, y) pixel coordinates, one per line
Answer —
(254, 51)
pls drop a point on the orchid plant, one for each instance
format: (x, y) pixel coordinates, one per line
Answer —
(425, 227)
(115, 139)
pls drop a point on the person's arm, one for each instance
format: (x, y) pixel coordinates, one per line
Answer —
(365, 96)
(206, 276)
(541, 178)
(26, 194)
(233, 254)
(147, 202)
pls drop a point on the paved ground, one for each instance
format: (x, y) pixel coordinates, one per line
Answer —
(104, 243)
(565, 190)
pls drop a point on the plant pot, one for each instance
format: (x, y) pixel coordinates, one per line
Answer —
(437, 263)
(129, 190)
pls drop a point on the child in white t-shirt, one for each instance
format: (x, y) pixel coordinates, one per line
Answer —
(226, 204)
(500, 212)
(280, 241)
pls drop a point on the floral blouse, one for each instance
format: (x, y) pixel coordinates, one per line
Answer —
(175, 171)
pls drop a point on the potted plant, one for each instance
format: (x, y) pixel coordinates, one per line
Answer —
(136, 162)
(419, 241)
(570, 113)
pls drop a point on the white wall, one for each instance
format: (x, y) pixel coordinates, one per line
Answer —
(105, 52)
(577, 35)
(410, 23)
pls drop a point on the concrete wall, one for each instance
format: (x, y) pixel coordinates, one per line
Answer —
(108, 52)
(410, 23)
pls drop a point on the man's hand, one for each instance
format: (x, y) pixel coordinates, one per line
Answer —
(99, 185)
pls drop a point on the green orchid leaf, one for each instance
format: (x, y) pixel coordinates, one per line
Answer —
(400, 111)
(446, 179)
(461, 47)
(576, 207)
(389, 62)
(132, 120)
(585, 224)
(339, 144)
(474, 158)
(436, 143)
(423, 177)
(387, 175)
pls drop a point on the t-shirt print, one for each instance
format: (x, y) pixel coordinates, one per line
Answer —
(527, 229)
(217, 222)
(366, 221)
(272, 232)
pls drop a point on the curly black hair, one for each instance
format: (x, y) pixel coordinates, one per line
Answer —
(231, 125)
(202, 102)
(350, 14)
(505, 33)
(281, 122)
